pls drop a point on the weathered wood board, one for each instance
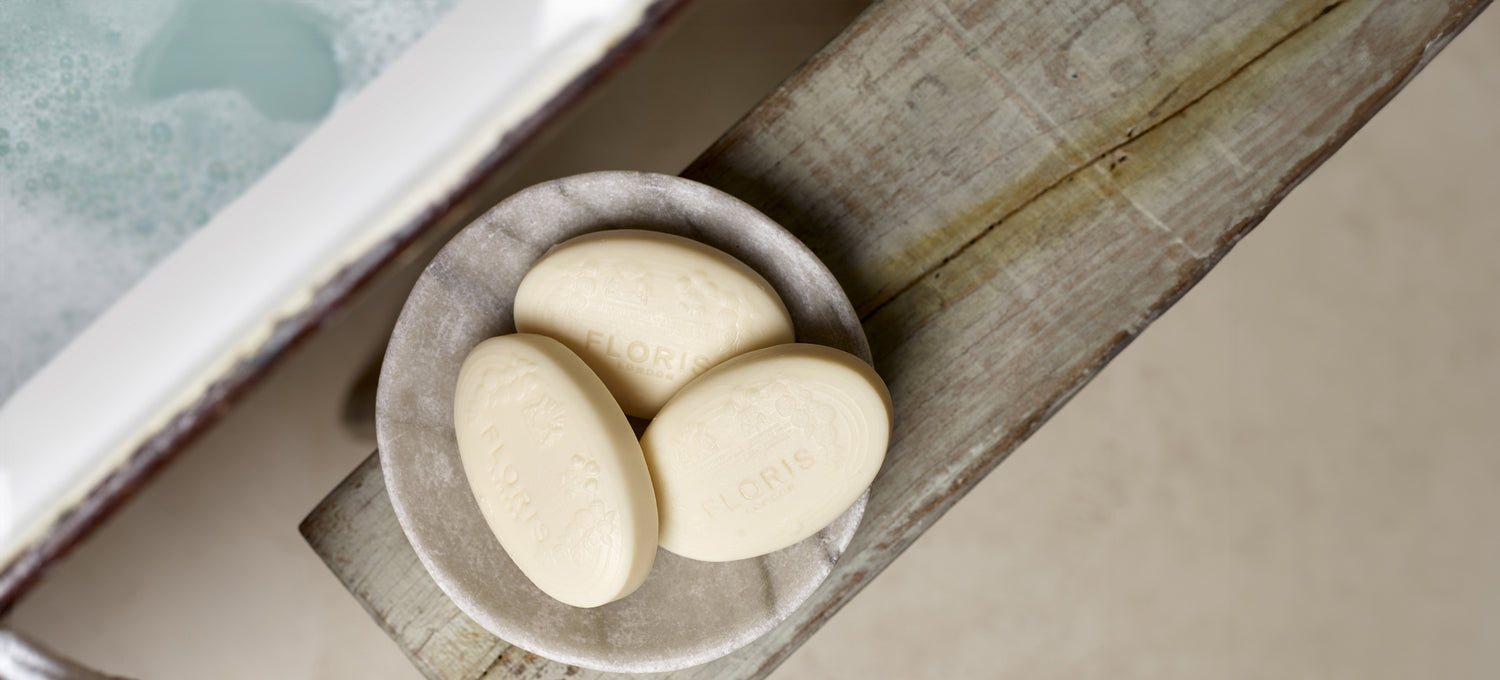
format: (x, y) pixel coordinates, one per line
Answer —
(1010, 192)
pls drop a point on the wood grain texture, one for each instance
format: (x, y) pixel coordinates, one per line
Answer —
(1011, 192)
(356, 533)
(926, 122)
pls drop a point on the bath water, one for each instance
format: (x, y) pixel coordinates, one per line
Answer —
(125, 125)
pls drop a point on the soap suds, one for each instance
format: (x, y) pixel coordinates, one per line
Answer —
(102, 177)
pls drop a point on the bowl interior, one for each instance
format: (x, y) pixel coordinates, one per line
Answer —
(687, 612)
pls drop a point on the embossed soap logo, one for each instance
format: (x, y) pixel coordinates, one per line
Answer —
(511, 383)
(516, 500)
(701, 299)
(590, 535)
(557, 473)
(494, 388)
(642, 358)
(759, 490)
(751, 429)
(506, 383)
(686, 303)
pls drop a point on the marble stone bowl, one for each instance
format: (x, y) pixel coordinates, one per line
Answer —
(687, 612)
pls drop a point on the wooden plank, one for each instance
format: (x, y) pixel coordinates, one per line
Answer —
(871, 150)
(1007, 307)
(438, 638)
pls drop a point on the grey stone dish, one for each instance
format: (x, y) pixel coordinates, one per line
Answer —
(687, 612)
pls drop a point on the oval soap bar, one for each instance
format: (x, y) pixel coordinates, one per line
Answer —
(649, 311)
(765, 450)
(556, 469)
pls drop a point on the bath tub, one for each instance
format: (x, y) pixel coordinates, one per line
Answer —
(93, 405)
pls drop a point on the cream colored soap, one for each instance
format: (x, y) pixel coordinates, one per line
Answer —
(556, 469)
(765, 449)
(649, 311)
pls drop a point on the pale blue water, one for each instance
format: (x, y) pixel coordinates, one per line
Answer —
(125, 125)
(275, 56)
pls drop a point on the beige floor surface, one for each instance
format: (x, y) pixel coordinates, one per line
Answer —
(1295, 473)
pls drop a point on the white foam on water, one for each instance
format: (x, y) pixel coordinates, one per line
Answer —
(101, 177)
